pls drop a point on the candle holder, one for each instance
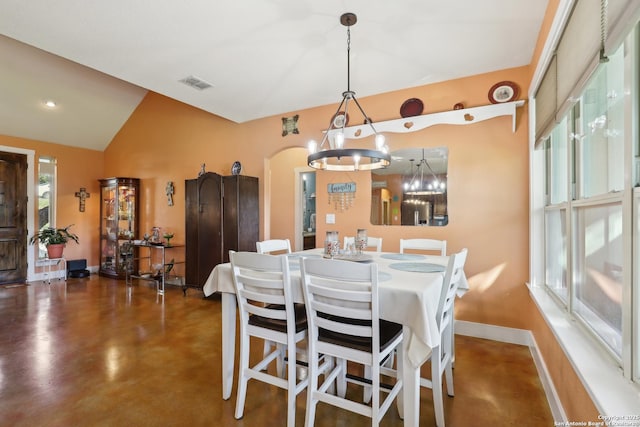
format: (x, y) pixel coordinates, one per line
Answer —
(361, 240)
(331, 244)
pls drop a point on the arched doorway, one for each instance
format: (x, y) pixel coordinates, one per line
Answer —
(284, 193)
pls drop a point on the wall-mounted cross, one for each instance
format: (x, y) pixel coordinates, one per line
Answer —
(82, 195)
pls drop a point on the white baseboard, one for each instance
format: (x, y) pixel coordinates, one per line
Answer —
(519, 337)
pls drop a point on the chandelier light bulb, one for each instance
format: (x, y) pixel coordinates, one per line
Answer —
(380, 141)
(339, 140)
(312, 146)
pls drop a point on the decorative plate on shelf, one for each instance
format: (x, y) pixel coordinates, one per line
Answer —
(411, 107)
(341, 119)
(504, 92)
(236, 168)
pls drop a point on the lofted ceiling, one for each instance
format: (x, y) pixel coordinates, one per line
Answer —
(261, 57)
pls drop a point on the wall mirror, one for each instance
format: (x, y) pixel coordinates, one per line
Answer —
(412, 190)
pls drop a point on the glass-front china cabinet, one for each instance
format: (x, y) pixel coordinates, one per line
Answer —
(118, 224)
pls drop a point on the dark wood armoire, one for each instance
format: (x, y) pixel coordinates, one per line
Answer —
(241, 214)
(221, 214)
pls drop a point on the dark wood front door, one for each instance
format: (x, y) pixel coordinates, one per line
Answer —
(13, 217)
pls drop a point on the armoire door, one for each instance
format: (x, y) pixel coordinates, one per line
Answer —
(241, 217)
(203, 227)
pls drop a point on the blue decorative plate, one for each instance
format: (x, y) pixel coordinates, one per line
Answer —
(418, 267)
(236, 168)
(403, 257)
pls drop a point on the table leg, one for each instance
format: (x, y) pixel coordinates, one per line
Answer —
(410, 385)
(228, 342)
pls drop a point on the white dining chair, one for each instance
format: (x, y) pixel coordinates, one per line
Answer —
(442, 354)
(341, 298)
(424, 245)
(266, 310)
(273, 245)
(372, 242)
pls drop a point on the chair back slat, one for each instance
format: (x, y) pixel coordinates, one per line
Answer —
(355, 330)
(261, 280)
(452, 277)
(342, 297)
(270, 313)
(424, 245)
(351, 312)
(274, 245)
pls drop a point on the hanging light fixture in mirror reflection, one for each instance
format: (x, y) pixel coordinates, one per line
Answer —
(331, 154)
(390, 202)
(423, 180)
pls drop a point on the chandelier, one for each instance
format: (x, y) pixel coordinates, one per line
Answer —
(331, 153)
(418, 185)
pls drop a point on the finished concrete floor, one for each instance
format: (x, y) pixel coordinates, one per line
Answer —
(94, 352)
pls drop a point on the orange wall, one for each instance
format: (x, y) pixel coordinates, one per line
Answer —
(488, 179)
(77, 168)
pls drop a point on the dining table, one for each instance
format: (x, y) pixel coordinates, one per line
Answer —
(409, 287)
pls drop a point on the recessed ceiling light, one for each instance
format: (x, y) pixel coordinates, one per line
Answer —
(50, 103)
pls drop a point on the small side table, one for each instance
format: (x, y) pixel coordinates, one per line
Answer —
(58, 263)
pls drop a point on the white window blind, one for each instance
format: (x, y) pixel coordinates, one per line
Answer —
(577, 54)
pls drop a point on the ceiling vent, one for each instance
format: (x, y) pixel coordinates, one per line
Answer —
(196, 83)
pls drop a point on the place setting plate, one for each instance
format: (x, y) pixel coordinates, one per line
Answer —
(418, 267)
(354, 257)
(403, 257)
(296, 256)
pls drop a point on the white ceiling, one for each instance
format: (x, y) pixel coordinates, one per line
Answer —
(262, 57)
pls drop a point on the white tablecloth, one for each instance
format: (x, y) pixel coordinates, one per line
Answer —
(406, 297)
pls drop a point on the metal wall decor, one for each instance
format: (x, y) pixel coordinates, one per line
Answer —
(342, 195)
(290, 125)
(82, 195)
(169, 190)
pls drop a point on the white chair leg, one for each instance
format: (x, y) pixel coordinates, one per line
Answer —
(453, 344)
(243, 365)
(375, 397)
(366, 398)
(312, 386)
(291, 391)
(448, 374)
(280, 360)
(436, 381)
(447, 348)
(331, 362)
(341, 380)
(399, 373)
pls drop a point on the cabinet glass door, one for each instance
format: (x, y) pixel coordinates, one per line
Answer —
(109, 236)
(119, 225)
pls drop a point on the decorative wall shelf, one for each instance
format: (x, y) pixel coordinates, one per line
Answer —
(464, 116)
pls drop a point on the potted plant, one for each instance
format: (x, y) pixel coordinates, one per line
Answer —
(54, 239)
